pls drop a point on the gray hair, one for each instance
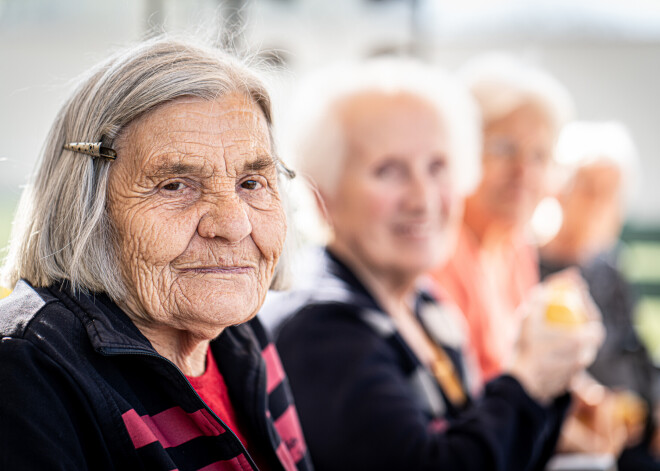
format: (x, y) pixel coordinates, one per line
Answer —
(316, 137)
(62, 230)
(501, 84)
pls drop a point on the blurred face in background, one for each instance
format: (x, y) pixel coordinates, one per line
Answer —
(592, 207)
(517, 151)
(393, 210)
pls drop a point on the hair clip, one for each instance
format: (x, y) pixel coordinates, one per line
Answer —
(95, 149)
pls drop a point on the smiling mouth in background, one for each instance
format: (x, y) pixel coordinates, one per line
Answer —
(414, 230)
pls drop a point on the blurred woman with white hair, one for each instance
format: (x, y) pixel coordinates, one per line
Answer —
(596, 173)
(377, 366)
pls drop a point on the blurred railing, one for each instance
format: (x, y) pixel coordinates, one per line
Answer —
(640, 263)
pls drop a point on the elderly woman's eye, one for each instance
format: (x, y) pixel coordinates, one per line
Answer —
(250, 185)
(501, 148)
(173, 186)
(437, 166)
(389, 169)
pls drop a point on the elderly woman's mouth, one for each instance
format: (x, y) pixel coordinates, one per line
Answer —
(414, 230)
(220, 270)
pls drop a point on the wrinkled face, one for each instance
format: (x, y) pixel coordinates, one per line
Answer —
(193, 198)
(517, 151)
(393, 207)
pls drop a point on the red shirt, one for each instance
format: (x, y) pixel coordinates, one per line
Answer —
(212, 388)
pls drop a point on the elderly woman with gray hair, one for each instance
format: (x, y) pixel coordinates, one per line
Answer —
(494, 265)
(378, 367)
(140, 255)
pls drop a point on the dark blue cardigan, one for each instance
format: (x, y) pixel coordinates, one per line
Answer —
(363, 405)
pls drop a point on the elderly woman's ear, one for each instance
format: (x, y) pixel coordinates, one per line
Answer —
(322, 202)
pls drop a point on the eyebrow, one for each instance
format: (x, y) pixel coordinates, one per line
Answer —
(262, 162)
(177, 168)
(170, 168)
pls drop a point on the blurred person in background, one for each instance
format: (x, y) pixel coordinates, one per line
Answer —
(495, 263)
(597, 165)
(141, 252)
(376, 364)
(495, 266)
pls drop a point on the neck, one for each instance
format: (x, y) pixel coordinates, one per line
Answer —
(489, 233)
(181, 347)
(186, 349)
(392, 290)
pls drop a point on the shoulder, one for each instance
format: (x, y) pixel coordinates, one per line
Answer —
(38, 329)
(40, 344)
(338, 341)
(327, 319)
(23, 310)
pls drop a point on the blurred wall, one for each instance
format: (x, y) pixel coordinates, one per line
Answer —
(44, 44)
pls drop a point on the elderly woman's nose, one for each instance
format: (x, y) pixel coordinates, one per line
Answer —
(418, 192)
(226, 218)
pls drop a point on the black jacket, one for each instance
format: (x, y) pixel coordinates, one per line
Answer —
(82, 388)
(367, 403)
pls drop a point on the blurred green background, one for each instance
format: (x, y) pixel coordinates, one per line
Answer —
(641, 264)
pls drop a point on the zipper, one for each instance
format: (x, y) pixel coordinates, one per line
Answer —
(108, 352)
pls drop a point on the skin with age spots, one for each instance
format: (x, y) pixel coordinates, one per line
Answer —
(200, 225)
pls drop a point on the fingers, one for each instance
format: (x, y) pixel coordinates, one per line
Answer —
(557, 340)
(549, 357)
(572, 277)
(592, 310)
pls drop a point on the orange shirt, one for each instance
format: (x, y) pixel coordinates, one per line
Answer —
(488, 287)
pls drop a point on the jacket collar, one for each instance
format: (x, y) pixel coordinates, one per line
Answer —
(109, 329)
(337, 270)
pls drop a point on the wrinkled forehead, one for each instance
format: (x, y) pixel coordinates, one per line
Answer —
(223, 132)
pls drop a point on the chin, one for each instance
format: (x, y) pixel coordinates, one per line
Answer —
(226, 306)
(425, 252)
(224, 318)
(415, 266)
